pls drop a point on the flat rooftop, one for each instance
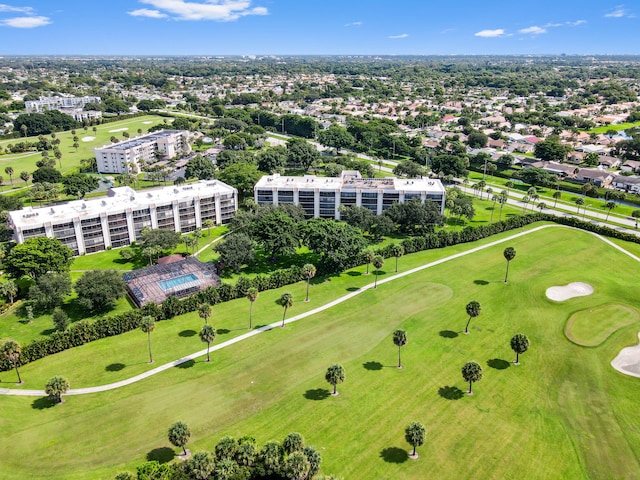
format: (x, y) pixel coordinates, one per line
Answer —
(117, 199)
(134, 142)
(350, 179)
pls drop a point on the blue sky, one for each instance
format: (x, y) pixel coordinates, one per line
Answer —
(243, 27)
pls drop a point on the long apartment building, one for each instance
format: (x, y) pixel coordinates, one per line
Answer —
(58, 103)
(128, 155)
(87, 226)
(322, 197)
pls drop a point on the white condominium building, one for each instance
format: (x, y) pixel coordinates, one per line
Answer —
(322, 197)
(117, 220)
(129, 154)
(58, 103)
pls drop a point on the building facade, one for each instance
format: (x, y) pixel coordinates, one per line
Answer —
(322, 197)
(58, 103)
(117, 220)
(128, 155)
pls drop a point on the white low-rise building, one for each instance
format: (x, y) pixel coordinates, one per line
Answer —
(128, 155)
(58, 103)
(117, 220)
(322, 197)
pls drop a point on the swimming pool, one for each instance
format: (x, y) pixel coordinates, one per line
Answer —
(174, 282)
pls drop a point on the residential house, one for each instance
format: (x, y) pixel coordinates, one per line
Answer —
(630, 166)
(609, 162)
(630, 184)
(599, 178)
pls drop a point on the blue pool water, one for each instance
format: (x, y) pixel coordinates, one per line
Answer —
(174, 282)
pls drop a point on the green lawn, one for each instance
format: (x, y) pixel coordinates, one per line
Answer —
(563, 413)
(70, 158)
(617, 127)
(591, 327)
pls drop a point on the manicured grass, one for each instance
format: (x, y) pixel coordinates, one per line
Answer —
(617, 127)
(591, 327)
(70, 158)
(538, 414)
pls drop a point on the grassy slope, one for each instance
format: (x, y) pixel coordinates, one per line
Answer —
(564, 413)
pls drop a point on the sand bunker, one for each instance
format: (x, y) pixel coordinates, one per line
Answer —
(88, 139)
(575, 289)
(628, 361)
(147, 122)
(119, 130)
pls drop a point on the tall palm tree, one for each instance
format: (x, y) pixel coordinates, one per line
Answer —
(308, 272)
(509, 186)
(471, 372)
(473, 310)
(147, 325)
(378, 262)
(252, 296)
(509, 254)
(204, 312)
(11, 351)
(285, 301)
(609, 206)
(525, 202)
(335, 375)
(368, 257)
(399, 340)
(397, 251)
(9, 171)
(557, 195)
(579, 202)
(494, 199)
(208, 335)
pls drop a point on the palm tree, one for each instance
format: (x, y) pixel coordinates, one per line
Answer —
(579, 202)
(519, 344)
(25, 176)
(147, 325)
(285, 301)
(24, 129)
(378, 262)
(636, 214)
(400, 340)
(397, 251)
(414, 435)
(609, 206)
(494, 199)
(557, 195)
(208, 335)
(58, 154)
(509, 254)
(542, 206)
(252, 296)
(9, 171)
(473, 310)
(502, 200)
(481, 184)
(525, 201)
(11, 351)
(509, 186)
(190, 242)
(534, 198)
(308, 272)
(56, 387)
(204, 312)
(179, 435)
(489, 191)
(335, 375)
(471, 372)
(209, 224)
(368, 256)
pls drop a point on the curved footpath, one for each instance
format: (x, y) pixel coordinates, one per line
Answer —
(257, 331)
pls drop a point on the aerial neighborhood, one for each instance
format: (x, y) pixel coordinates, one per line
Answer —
(297, 267)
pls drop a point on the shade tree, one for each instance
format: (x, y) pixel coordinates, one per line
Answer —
(179, 435)
(415, 434)
(471, 372)
(473, 309)
(519, 344)
(335, 375)
(56, 387)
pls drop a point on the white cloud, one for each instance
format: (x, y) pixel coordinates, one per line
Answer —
(145, 12)
(403, 35)
(498, 32)
(353, 24)
(619, 12)
(220, 10)
(576, 23)
(25, 22)
(533, 30)
(12, 9)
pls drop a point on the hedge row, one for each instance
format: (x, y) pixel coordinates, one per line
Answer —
(83, 332)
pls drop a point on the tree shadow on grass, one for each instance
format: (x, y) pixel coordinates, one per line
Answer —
(450, 393)
(222, 331)
(498, 364)
(317, 394)
(188, 364)
(448, 334)
(354, 274)
(114, 367)
(372, 366)
(187, 333)
(161, 455)
(394, 455)
(353, 289)
(481, 282)
(48, 331)
(43, 403)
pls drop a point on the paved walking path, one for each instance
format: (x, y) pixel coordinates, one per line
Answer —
(257, 331)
